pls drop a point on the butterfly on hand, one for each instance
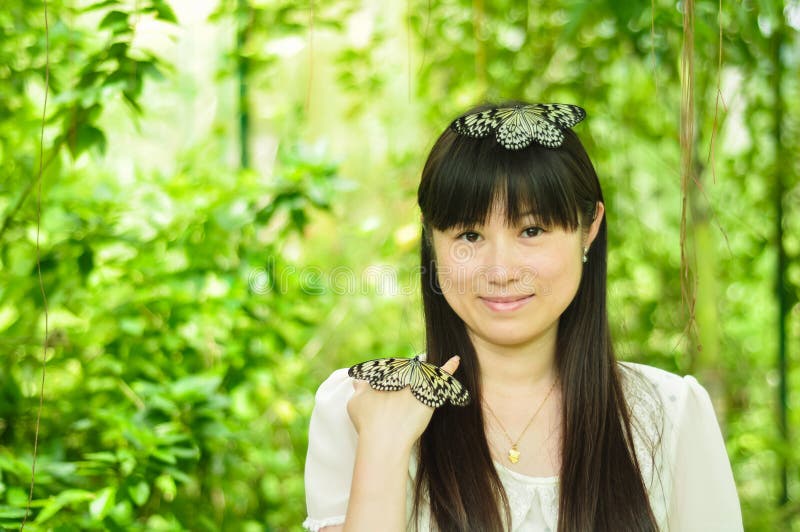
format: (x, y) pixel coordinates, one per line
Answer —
(431, 385)
(516, 126)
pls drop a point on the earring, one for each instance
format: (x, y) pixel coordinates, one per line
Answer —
(585, 258)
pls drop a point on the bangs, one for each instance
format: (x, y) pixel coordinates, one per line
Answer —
(469, 177)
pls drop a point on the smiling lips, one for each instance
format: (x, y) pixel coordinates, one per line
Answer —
(506, 304)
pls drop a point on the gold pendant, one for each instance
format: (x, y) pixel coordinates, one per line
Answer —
(513, 454)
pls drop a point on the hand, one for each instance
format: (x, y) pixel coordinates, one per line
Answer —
(394, 418)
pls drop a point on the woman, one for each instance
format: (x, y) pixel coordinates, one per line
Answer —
(559, 435)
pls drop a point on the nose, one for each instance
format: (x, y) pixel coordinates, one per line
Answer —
(501, 262)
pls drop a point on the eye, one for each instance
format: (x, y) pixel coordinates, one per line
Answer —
(469, 236)
(532, 231)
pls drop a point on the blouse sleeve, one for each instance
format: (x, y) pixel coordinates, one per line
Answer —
(330, 460)
(703, 490)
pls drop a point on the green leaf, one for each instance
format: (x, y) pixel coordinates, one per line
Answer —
(17, 497)
(86, 261)
(122, 513)
(119, 51)
(103, 502)
(102, 456)
(101, 5)
(127, 461)
(130, 98)
(164, 456)
(139, 492)
(11, 512)
(64, 498)
(116, 21)
(184, 452)
(166, 484)
(86, 137)
(164, 12)
(195, 388)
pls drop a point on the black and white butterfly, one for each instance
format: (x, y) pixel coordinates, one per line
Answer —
(430, 384)
(516, 126)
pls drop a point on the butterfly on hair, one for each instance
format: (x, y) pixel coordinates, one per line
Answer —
(517, 126)
(430, 384)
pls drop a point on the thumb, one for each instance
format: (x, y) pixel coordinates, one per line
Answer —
(452, 365)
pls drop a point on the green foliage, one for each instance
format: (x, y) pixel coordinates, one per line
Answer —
(193, 308)
(159, 354)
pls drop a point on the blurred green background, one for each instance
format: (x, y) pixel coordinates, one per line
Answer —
(228, 214)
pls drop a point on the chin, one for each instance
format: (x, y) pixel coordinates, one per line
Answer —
(514, 333)
(511, 338)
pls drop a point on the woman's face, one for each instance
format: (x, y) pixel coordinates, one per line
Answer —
(510, 283)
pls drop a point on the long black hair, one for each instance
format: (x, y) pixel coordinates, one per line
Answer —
(600, 484)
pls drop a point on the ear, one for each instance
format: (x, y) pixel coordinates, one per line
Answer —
(599, 212)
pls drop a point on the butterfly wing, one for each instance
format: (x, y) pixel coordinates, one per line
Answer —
(540, 122)
(519, 130)
(422, 389)
(561, 114)
(480, 124)
(383, 373)
(434, 386)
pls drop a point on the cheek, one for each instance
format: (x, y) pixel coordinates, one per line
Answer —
(454, 265)
(455, 278)
(560, 277)
(452, 284)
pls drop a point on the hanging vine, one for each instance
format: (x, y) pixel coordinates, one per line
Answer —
(39, 267)
(687, 139)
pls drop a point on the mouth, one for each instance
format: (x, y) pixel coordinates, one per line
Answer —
(507, 303)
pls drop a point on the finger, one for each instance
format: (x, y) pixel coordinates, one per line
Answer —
(359, 384)
(452, 365)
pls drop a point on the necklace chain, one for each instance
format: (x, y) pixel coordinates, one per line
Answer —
(513, 452)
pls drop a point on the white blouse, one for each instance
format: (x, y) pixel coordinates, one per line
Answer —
(676, 437)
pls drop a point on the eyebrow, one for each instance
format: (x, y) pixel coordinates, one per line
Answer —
(470, 225)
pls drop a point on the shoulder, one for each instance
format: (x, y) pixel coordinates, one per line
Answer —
(337, 386)
(657, 377)
(666, 409)
(671, 391)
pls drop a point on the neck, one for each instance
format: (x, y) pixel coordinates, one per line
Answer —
(518, 370)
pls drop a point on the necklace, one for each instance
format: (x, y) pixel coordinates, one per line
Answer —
(513, 452)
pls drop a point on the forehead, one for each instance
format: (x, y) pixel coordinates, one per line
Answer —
(499, 213)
